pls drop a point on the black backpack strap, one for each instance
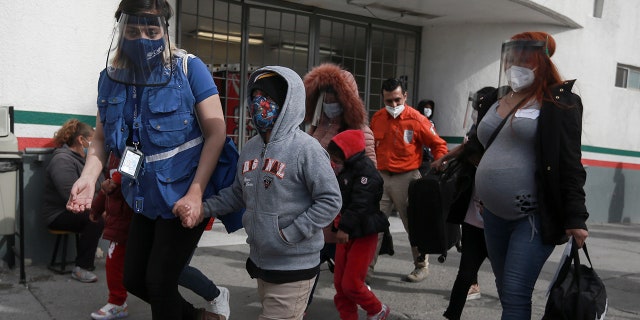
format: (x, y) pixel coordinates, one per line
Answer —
(495, 132)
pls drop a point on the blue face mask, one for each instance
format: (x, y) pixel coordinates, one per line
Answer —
(264, 113)
(144, 53)
(86, 149)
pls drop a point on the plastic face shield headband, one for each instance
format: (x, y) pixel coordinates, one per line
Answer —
(519, 53)
(471, 113)
(140, 52)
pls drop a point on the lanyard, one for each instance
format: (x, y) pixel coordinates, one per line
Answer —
(137, 123)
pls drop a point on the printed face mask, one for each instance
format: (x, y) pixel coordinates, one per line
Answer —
(144, 52)
(332, 110)
(264, 113)
(519, 77)
(395, 111)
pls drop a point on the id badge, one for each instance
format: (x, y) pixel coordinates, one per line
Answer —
(131, 162)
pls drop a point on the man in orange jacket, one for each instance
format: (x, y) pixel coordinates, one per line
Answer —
(400, 132)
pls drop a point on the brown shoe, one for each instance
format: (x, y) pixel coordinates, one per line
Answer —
(418, 274)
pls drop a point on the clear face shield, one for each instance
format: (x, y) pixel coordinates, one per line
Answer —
(516, 65)
(140, 52)
(471, 115)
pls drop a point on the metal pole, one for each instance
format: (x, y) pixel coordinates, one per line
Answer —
(23, 276)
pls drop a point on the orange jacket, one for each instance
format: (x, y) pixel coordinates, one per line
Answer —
(399, 141)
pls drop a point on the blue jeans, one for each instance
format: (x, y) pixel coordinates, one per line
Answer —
(517, 254)
(194, 280)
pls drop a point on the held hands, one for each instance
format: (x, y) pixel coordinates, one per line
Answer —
(342, 237)
(189, 211)
(81, 195)
(579, 234)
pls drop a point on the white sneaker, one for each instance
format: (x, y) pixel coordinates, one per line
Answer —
(382, 315)
(111, 311)
(83, 275)
(474, 292)
(220, 305)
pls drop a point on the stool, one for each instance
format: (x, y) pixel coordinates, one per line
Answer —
(61, 236)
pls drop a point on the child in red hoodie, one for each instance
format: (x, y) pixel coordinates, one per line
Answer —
(357, 226)
(116, 229)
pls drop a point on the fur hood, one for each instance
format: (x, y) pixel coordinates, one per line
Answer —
(342, 81)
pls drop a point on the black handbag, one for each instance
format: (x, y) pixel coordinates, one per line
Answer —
(577, 293)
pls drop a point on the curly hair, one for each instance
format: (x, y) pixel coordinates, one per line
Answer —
(70, 130)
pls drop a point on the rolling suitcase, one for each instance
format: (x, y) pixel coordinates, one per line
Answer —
(429, 200)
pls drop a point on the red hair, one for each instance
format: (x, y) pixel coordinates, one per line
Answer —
(546, 73)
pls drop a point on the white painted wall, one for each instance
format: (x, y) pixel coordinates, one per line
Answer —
(52, 53)
(463, 58)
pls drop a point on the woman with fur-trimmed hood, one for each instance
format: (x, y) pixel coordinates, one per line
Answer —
(333, 105)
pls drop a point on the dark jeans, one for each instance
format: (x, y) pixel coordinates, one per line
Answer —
(157, 252)
(90, 233)
(194, 280)
(327, 252)
(474, 251)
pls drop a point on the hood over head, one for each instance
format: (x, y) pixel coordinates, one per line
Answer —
(272, 84)
(350, 142)
(344, 84)
(292, 108)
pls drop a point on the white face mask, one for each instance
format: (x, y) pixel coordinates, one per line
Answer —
(332, 110)
(395, 111)
(427, 112)
(519, 77)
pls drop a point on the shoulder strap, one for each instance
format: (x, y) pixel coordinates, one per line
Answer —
(185, 63)
(185, 69)
(495, 132)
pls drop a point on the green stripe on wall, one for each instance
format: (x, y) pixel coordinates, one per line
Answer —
(611, 151)
(453, 140)
(50, 118)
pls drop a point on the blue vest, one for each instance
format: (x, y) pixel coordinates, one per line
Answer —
(169, 137)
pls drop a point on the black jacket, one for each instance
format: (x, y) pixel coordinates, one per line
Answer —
(560, 176)
(361, 186)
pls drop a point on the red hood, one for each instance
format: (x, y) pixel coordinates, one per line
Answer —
(350, 142)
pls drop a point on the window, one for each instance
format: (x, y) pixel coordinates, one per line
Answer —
(628, 77)
(234, 37)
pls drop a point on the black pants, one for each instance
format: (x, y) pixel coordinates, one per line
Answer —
(474, 251)
(327, 252)
(157, 251)
(90, 233)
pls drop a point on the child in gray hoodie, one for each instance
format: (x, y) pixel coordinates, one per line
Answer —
(285, 181)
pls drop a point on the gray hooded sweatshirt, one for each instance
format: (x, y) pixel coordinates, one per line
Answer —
(286, 184)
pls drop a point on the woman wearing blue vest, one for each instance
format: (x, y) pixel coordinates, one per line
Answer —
(162, 116)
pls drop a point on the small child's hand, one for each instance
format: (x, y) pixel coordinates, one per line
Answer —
(94, 217)
(190, 218)
(108, 186)
(342, 237)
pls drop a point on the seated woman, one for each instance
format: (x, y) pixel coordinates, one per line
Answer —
(72, 141)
